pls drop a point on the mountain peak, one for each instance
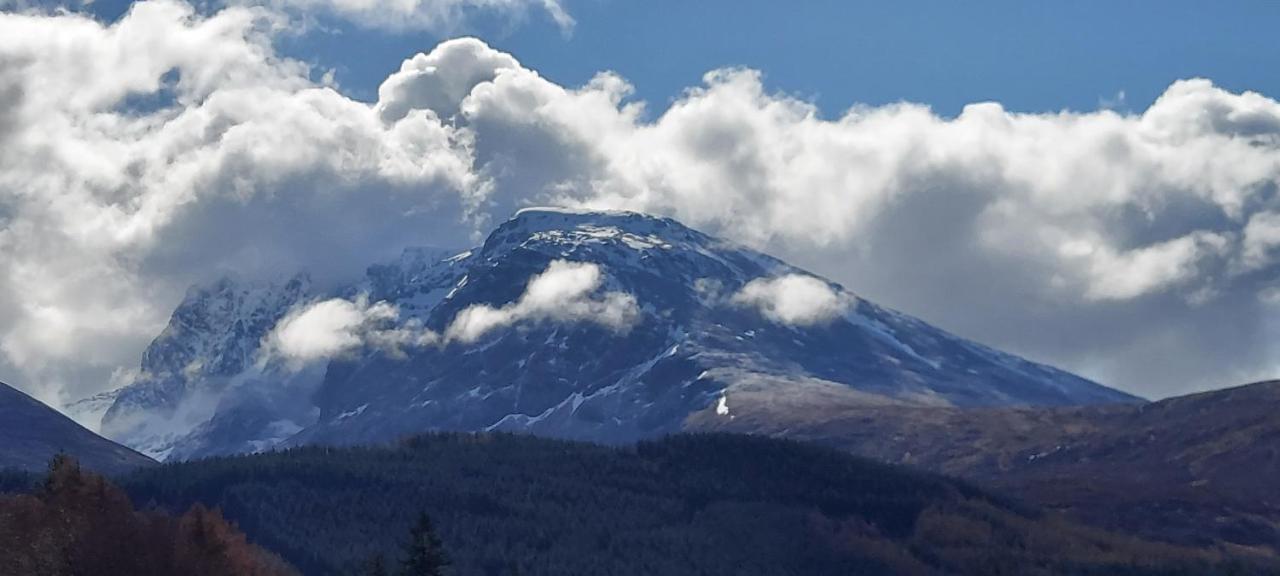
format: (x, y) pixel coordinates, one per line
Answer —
(569, 214)
(586, 224)
(697, 343)
(616, 238)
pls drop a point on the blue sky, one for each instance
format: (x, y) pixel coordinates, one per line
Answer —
(1031, 56)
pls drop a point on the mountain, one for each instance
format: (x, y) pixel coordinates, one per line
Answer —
(676, 322)
(202, 391)
(89, 411)
(210, 341)
(684, 505)
(1197, 470)
(31, 434)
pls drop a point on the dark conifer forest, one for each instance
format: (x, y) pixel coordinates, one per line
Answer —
(685, 505)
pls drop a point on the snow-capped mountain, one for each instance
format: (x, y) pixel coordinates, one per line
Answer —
(210, 342)
(204, 388)
(696, 318)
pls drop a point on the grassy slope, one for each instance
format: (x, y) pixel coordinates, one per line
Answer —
(1195, 470)
(31, 434)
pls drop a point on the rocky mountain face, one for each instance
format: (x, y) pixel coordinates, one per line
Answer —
(703, 327)
(1198, 470)
(207, 349)
(31, 434)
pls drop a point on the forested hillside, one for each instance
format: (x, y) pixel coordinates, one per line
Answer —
(76, 523)
(704, 504)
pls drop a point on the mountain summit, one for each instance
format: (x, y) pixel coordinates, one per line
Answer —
(603, 326)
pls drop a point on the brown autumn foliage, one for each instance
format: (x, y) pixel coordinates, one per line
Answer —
(77, 523)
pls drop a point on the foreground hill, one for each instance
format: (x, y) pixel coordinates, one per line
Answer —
(1200, 470)
(669, 321)
(704, 505)
(31, 434)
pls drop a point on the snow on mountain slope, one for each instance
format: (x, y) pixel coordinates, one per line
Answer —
(204, 388)
(694, 341)
(712, 316)
(211, 340)
(88, 412)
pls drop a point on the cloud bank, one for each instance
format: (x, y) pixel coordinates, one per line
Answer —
(1139, 249)
(169, 148)
(793, 299)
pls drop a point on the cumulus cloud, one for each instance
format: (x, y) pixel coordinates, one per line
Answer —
(794, 299)
(439, 81)
(564, 292)
(1137, 248)
(131, 151)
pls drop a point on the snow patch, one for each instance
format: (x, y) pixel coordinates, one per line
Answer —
(350, 413)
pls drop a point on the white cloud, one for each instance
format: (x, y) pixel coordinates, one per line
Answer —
(1125, 275)
(130, 151)
(439, 81)
(794, 299)
(1134, 247)
(1119, 231)
(320, 331)
(440, 16)
(327, 329)
(1261, 238)
(770, 171)
(564, 292)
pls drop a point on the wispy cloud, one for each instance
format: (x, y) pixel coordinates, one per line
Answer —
(439, 16)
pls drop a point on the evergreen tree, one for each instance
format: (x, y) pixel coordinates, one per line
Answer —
(376, 566)
(424, 554)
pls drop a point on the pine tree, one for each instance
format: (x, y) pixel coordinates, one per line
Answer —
(376, 566)
(424, 554)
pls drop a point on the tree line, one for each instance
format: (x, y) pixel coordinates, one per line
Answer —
(504, 505)
(708, 505)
